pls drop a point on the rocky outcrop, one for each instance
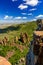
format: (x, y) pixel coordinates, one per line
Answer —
(35, 55)
(9, 54)
(40, 24)
(4, 41)
(40, 57)
(3, 61)
(24, 37)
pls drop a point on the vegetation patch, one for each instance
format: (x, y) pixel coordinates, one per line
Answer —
(15, 41)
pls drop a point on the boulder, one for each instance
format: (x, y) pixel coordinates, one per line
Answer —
(3, 61)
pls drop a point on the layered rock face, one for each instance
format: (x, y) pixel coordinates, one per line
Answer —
(35, 56)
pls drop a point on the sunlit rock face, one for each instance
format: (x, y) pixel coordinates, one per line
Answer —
(35, 55)
(3, 61)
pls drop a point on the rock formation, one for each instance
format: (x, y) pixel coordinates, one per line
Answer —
(3, 61)
(4, 41)
(35, 55)
(16, 38)
(1, 42)
(24, 37)
(40, 24)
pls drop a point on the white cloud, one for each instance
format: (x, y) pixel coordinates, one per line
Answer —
(17, 17)
(24, 13)
(34, 19)
(24, 17)
(30, 14)
(31, 2)
(8, 17)
(39, 16)
(27, 14)
(32, 9)
(21, 6)
(14, 0)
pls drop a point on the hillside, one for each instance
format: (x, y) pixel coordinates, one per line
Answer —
(15, 50)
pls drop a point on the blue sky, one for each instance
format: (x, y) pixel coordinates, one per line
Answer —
(20, 10)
